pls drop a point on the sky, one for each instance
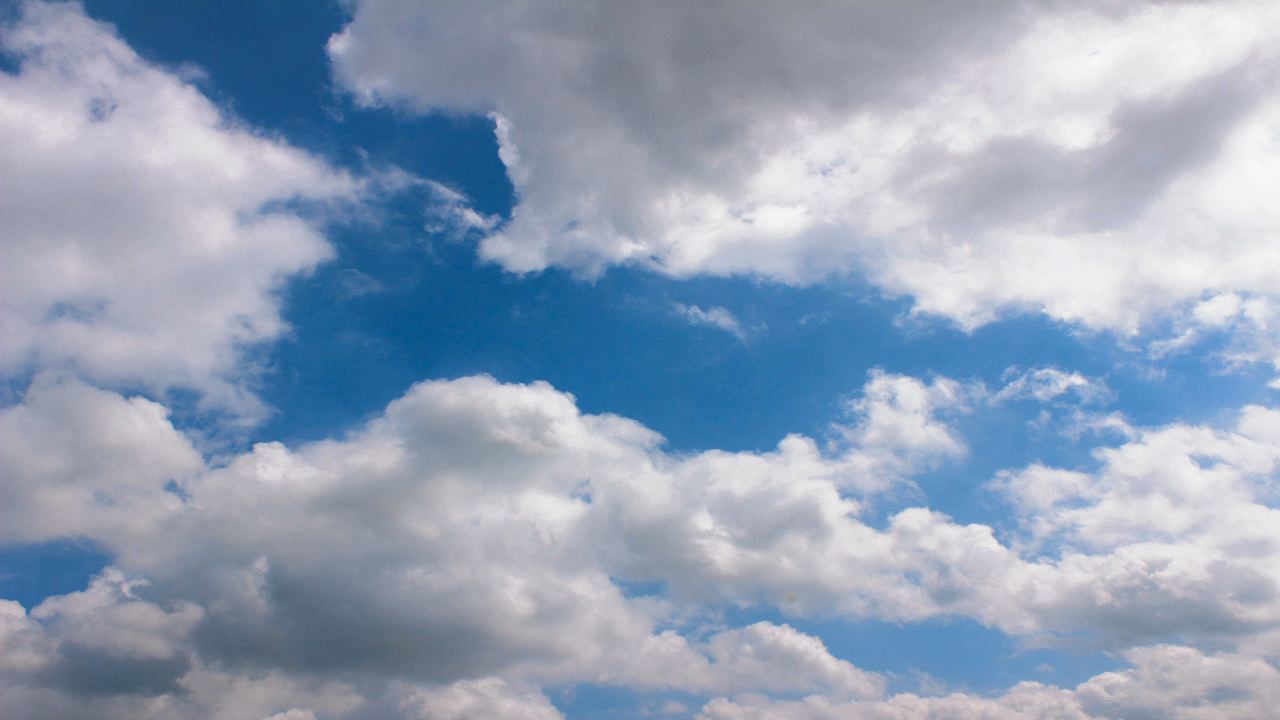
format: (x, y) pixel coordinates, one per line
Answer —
(564, 360)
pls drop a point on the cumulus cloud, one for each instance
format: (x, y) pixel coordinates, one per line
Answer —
(760, 658)
(1165, 681)
(109, 652)
(485, 698)
(482, 493)
(77, 460)
(764, 657)
(477, 495)
(476, 533)
(123, 188)
(1103, 163)
(901, 425)
(1174, 535)
(487, 486)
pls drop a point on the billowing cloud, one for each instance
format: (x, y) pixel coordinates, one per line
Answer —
(124, 188)
(1103, 163)
(484, 486)
(475, 495)
(480, 530)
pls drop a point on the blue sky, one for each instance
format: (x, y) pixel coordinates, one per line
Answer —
(542, 360)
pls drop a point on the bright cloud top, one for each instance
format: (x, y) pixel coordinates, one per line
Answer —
(1105, 164)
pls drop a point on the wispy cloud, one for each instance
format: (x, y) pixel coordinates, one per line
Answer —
(714, 317)
(1048, 384)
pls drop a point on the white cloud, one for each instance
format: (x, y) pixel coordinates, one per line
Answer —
(505, 501)
(1175, 535)
(480, 529)
(1180, 682)
(715, 317)
(1167, 681)
(108, 617)
(22, 645)
(1047, 384)
(1104, 164)
(485, 698)
(509, 503)
(901, 426)
(493, 501)
(451, 213)
(478, 495)
(81, 461)
(1028, 701)
(123, 188)
(764, 657)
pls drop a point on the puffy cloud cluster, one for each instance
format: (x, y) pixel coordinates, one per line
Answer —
(495, 501)
(1104, 163)
(476, 533)
(447, 541)
(1175, 535)
(122, 188)
(107, 653)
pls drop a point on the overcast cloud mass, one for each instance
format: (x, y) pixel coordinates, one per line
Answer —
(362, 363)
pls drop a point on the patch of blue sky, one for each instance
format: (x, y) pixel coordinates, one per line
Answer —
(31, 573)
(605, 702)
